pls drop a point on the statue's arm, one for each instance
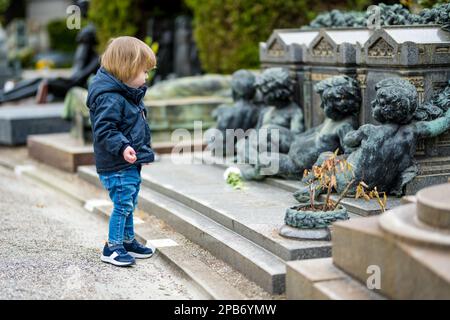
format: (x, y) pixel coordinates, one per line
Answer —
(297, 125)
(353, 138)
(262, 116)
(428, 129)
(342, 132)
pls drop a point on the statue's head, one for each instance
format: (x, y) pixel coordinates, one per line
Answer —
(276, 86)
(341, 96)
(442, 99)
(395, 102)
(434, 108)
(84, 7)
(243, 85)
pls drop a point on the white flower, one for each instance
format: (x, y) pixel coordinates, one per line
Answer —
(231, 170)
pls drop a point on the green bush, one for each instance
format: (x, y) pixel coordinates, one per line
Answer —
(430, 3)
(359, 5)
(113, 18)
(228, 32)
(61, 38)
(4, 4)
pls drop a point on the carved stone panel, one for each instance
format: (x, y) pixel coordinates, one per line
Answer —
(381, 49)
(276, 49)
(323, 49)
(419, 83)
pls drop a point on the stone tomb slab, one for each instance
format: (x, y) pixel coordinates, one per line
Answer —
(65, 152)
(356, 206)
(18, 122)
(256, 212)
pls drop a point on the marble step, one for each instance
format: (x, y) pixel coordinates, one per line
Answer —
(319, 279)
(256, 263)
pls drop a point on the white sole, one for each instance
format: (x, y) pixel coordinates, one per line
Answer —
(140, 256)
(114, 262)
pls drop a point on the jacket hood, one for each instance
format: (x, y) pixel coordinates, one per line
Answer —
(104, 82)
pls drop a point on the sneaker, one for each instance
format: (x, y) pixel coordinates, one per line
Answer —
(137, 250)
(117, 255)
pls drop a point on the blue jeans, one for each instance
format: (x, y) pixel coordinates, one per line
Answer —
(123, 187)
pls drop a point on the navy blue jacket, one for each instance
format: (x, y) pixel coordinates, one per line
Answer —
(118, 119)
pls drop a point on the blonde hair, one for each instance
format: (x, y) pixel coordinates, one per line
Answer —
(125, 57)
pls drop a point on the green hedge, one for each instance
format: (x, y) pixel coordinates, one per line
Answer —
(228, 32)
(114, 18)
(61, 38)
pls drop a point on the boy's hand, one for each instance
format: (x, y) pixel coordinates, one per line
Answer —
(129, 155)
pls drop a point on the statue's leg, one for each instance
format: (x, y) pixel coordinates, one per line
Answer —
(304, 193)
(247, 150)
(24, 89)
(243, 148)
(405, 177)
(251, 173)
(279, 164)
(59, 86)
(284, 141)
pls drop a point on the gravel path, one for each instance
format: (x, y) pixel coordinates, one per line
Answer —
(50, 249)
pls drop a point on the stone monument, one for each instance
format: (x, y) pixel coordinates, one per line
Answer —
(340, 103)
(382, 156)
(417, 53)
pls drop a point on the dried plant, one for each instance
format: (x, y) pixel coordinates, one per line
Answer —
(324, 177)
(371, 194)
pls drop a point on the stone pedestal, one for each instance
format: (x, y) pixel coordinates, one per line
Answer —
(409, 244)
(407, 249)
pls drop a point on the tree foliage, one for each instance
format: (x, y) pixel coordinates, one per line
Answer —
(61, 38)
(430, 3)
(114, 18)
(228, 32)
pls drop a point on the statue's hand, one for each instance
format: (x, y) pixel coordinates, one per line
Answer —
(447, 114)
(352, 140)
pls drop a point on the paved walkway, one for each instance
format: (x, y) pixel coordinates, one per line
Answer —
(50, 249)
